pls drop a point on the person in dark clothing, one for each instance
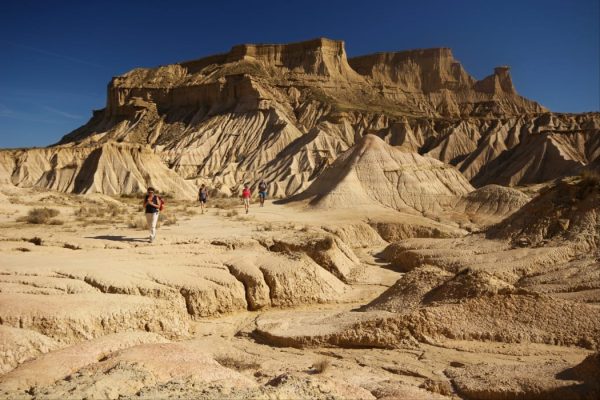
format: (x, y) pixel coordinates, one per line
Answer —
(203, 196)
(262, 192)
(152, 210)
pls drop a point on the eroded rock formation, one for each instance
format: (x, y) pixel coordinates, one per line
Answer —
(284, 112)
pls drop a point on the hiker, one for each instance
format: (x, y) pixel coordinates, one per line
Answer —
(262, 192)
(203, 196)
(246, 193)
(152, 205)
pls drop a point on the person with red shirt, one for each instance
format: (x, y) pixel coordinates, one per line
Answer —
(246, 194)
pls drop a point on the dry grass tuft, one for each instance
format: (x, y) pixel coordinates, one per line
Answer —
(35, 240)
(138, 223)
(226, 203)
(101, 214)
(40, 216)
(268, 227)
(232, 213)
(321, 366)
(237, 364)
(71, 246)
(590, 177)
(166, 219)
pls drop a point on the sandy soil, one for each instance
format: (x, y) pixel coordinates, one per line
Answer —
(284, 302)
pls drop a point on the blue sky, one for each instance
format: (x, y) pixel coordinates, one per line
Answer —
(58, 56)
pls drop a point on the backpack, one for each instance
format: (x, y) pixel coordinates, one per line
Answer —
(161, 203)
(262, 187)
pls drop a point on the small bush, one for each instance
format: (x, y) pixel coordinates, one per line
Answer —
(35, 240)
(134, 195)
(39, 216)
(236, 364)
(138, 223)
(232, 213)
(71, 246)
(225, 203)
(23, 249)
(321, 365)
(167, 219)
(590, 177)
(56, 222)
(98, 212)
(189, 211)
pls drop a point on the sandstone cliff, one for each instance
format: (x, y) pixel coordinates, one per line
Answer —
(284, 112)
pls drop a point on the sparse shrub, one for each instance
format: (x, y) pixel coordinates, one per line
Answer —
(138, 223)
(166, 219)
(225, 203)
(39, 216)
(56, 222)
(71, 246)
(590, 177)
(237, 364)
(189, 211)
(321, 365)
(100, 212)
(35, 240)
(134, 195)
(232, 213)
(23, 249)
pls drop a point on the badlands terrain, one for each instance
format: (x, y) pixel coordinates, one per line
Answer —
(428, 236)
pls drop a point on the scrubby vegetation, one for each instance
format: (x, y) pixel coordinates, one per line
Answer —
(41, 216)
(225, 203)
(236, 363)
(590, 177)
(322, 365)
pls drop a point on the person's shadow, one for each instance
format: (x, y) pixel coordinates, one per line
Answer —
(118, 238)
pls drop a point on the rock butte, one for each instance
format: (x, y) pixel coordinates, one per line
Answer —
(399, 264)
(283, 112)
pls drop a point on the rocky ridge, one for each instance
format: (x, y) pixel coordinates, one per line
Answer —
(284, 112)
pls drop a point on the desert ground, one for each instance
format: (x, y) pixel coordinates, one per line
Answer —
(292, 301)
(429, 235)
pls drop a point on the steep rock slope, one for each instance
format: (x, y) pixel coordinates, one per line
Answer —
(283, 112)
(566, 212)
(110, 168)
(374, 173)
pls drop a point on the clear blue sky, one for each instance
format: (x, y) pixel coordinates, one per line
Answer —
(58, 56)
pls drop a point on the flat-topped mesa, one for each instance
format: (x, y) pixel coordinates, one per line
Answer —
(195, 82)
(499, 82)
(422, 70)
(317, 56)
